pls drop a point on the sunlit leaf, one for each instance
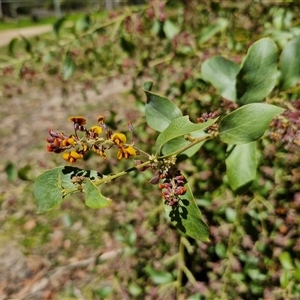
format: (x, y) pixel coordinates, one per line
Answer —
(27, 44)
(247, 123)
(209, 31)
(93, 197)
(187, 217)
(11, 171)
(12, 45)
(58, 25)
(159, 110)
(241, 166)
(290, 64)
(221, 73)
(170, 29)
(68, 67)
(55, 185)
(179, 127)
(83, 24)
(258, 74)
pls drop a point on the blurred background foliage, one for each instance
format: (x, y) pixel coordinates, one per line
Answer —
(255, 245)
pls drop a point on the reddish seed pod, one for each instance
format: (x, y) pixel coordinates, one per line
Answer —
(181, 190)
(49, 148)
(50, 139)
(154, 180)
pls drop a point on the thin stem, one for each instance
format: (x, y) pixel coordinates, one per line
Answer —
(180, 269)
(114, 176)
(147, 163)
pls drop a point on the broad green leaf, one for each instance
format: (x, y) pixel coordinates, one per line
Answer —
(286, 261)
(247, 123)
(290, 64)
(68, 67)
(159, 277)
(23, 172)
(11, 171)
(179, 143)
(221, 73)
(179, 127)
(83, 24)
(127, 44)
(58, 25)
(12, 45)
(258, 74)
(27, 44)
(53, 186)
(93, 198)
(209, 31)
(187, 217)
(241, 166)
(170, 29)
(160, 111)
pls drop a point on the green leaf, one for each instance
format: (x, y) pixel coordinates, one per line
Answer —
(27, 44)
(83, 24)
(211, 30)
(170, 29)
(93, 198)
(179, 127)
(11, 171)
(12, 45)
(58, 25)
(179, 143)
(127, 45)
(68, 67)
(258, 74)
(247, 123)
(23, 172)
(241, 166)
(160, 111)
(187, 217)
(286, 261)
(221, 73)
(53, 186)
(290, 64)
(159, 277)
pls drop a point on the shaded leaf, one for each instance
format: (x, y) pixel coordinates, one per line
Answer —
(179, 127)
(23, 172)
(187, 217)
(83, 24)
(286, 260)
(68, 67)
(258, 74)
(11, 46)
(93, 197)
(159, 110)
(209, 31)
(53, 186)
(170, 29)
(127, 45)
(58, 25)
(11, 171)
(290, 63)
(221, 73)
(247, 123)
(27, 44)
(241, 166)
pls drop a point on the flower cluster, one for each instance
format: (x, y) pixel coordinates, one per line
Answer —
(286, 127)
(58, 142)
(172, 186)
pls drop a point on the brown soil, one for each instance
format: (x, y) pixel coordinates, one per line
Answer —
(7, 35)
